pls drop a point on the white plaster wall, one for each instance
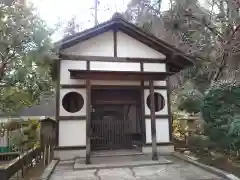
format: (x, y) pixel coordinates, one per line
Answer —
(154, 67)
(162, 130)
(4, 140)
(69, 154)
(65, 74)
(163, 92)
(130, 47)
(101, 45)
(114, 66)
(113, 82)
(63, 112)
(72, 133)
(156, 83)
(4, 119)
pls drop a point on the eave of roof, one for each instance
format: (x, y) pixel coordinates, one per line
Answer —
(118, 23)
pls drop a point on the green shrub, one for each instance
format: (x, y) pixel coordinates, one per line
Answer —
(11, 125)
(190, 101)
(221, 103)
(27, 137)
(179, 126)
(201, 142)
(27, 131)
(234, 134)
(220, 107)
(33, 123)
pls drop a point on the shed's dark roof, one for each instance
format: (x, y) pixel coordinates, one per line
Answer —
(177, 59)
(46, 107)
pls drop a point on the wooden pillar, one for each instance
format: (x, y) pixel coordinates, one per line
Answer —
(58, 101)
(143, 125)
(88, 121)
(170, 119)
(153, 122)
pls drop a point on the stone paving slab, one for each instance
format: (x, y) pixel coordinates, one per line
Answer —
(75, 175)
(178, 170)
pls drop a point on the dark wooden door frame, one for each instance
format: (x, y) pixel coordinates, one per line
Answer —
(88, 121)
(126, 101)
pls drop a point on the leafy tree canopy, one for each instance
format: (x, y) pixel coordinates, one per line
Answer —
(221, 103)
(209, 33)
(72, 27)
(220, 110)
(25, 48)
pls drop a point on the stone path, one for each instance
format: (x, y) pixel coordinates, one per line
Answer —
(179, 170)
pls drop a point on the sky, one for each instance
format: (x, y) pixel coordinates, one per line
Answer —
(61, 11)
(52, 10)
(55, 11)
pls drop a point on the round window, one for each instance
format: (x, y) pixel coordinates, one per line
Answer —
(72, 102)
(159, 102)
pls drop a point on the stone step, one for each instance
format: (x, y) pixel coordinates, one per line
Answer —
(109, 153)
(119, 162)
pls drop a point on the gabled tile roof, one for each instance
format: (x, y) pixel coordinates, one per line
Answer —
(177, 59)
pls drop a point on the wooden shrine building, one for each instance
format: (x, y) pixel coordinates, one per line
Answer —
(112, 91)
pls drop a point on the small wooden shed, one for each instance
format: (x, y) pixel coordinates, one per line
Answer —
(113, 91)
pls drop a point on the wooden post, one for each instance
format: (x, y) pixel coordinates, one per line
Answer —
(49, 154)
(143, 111)
(169, 106)
(44, 156)
(88, 122)
(17, 176)
(153, 122)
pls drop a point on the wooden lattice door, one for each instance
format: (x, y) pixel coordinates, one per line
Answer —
(109, 128)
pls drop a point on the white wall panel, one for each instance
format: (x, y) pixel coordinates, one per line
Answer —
(154, 67)
(148, 130)
(72, 133)
(113, 82)
(130, 47)
(164, 111)
(65, 74)
(162, 130)
(114, 66)
(4, 139)
(156, 83)
(63, 112)
(101, 45)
